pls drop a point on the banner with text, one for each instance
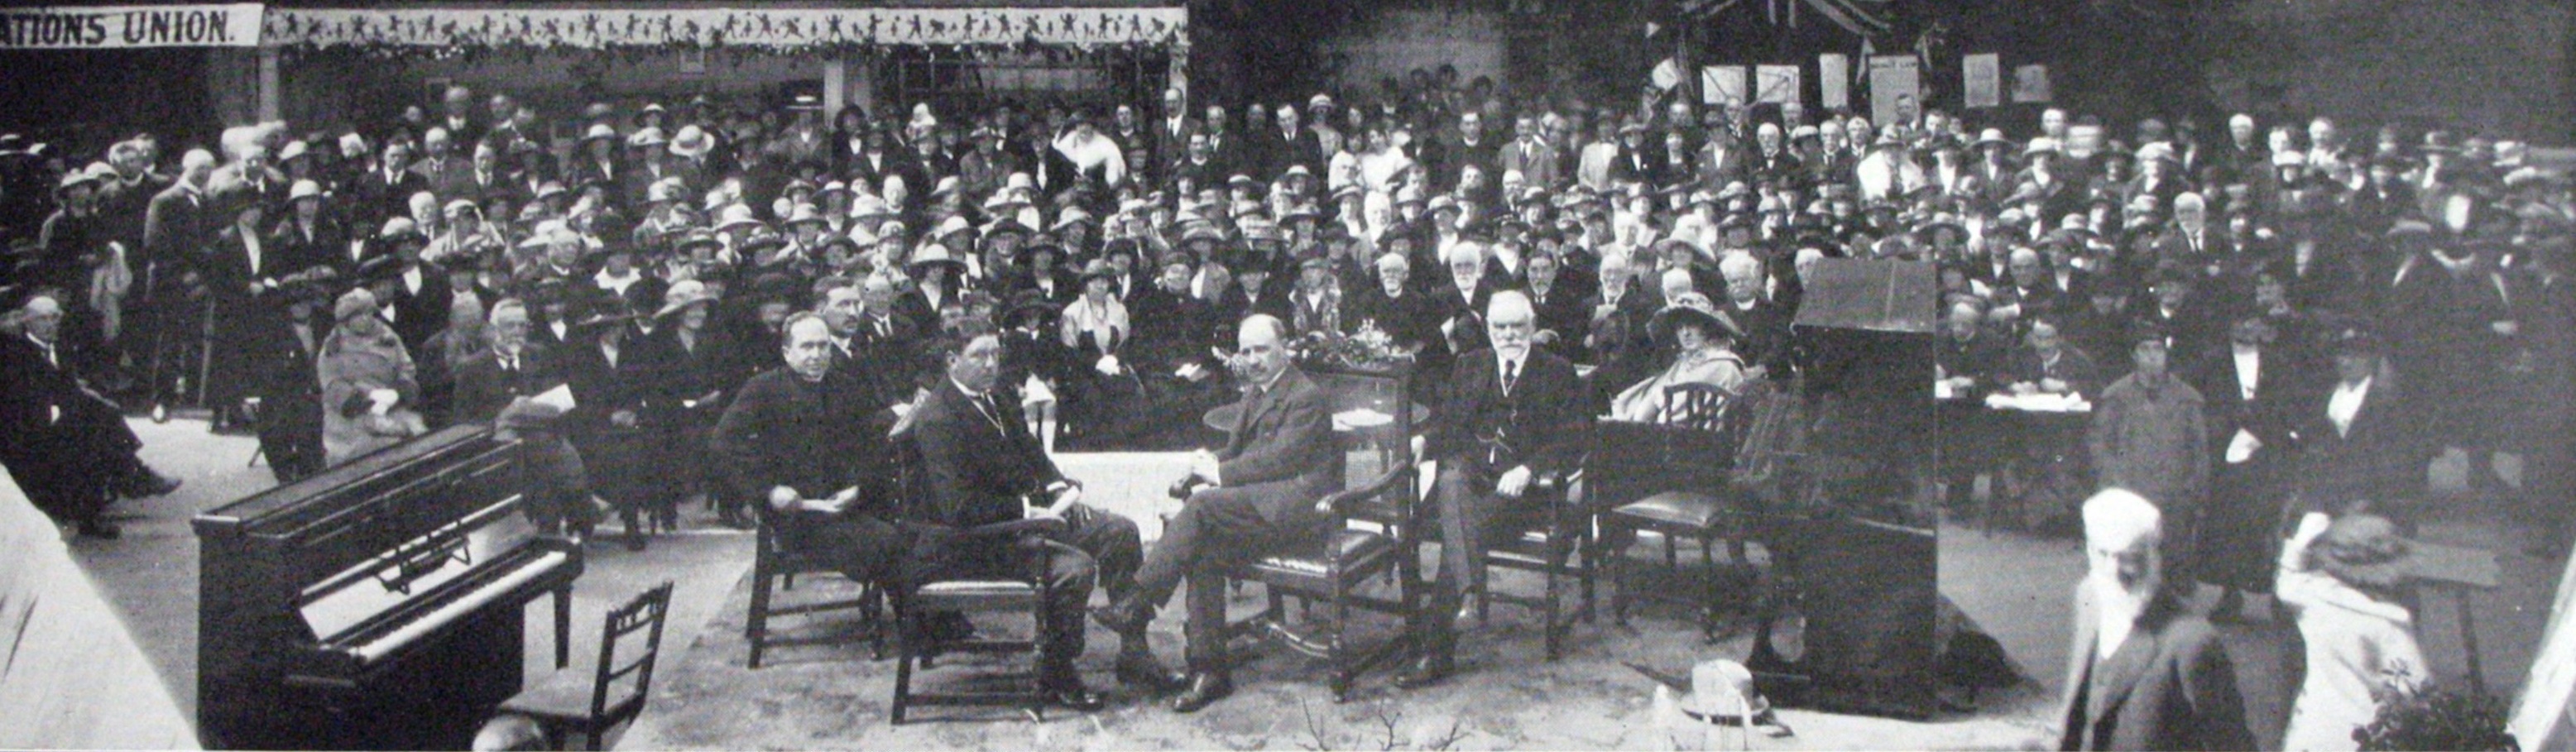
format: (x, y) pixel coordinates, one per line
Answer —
(784, 28)
(107, 27)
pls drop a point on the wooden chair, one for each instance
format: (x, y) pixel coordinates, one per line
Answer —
(1558, 543)
(774, 568)
(1369, 533)
(1025, 595)
(1672, 478)
(563, 704)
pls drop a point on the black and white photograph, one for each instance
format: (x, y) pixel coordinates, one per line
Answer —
(1092, 375)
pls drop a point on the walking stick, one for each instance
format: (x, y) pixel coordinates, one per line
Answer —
(206, 354)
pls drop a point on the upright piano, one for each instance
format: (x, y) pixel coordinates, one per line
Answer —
(375, 605)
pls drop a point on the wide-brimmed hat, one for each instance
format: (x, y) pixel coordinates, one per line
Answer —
(75, 179)
(736, 215)
(1072, 215)
(2364, 550)
(1991, 137)
(868, 207)
(692, 141)
(303, 189)
(399, 229)
(683, 294)
(935, 253)
(1687, 308)
(805, 214)
(647, 137)
(599, 132)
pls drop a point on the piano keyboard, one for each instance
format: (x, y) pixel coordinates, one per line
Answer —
(371, 650)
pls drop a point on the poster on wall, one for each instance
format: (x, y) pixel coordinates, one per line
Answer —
(116, 26)
(2030, 84)
(1722, 84)
(1777, 84)
(1892, 77)
(1984, 74)
(1833, 76)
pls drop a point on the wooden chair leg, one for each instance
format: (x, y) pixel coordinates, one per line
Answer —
(755, 627)
(903, 650)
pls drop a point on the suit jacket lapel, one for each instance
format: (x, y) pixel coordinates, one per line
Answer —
(2116, 676)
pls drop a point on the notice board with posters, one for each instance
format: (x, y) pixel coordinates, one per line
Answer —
(1892, 77)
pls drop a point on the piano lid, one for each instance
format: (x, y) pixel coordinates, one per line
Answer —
(359, 476)
(347, 600)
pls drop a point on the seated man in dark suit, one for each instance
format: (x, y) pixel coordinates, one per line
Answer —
(1259, 493)
(66, 446)
(1512, 419)
(496, 386)
(818, 456)
(981, 466)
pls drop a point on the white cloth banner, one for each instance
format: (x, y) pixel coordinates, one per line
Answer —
(121, 26)
(713, 27)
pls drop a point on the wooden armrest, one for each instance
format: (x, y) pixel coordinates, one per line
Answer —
(1338, 500)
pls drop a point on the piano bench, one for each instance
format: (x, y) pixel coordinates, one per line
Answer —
(775, 569)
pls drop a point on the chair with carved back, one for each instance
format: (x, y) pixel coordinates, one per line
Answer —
(1672, 478)
(563, 703)
(1024, 595)
(1369, 533)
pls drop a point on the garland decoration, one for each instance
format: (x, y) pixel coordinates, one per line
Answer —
(452, 31)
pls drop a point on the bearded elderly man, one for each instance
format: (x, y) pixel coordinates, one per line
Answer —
(2142, 673)
(1513, 417)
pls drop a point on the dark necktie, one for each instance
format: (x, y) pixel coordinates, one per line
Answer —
(992, 414)
(1511, 376)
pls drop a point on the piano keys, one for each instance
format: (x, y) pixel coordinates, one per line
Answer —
(377, 604)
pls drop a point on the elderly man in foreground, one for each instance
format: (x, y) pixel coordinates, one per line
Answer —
(2142, 673)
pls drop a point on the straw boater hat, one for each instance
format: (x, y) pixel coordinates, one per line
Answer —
(304, 189)
(599, 132)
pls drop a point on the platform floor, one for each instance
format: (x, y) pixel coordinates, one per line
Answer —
(2010, 585)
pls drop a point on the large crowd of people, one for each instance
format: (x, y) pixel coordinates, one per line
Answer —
(2266, 320)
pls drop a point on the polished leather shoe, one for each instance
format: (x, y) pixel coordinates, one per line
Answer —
(1071, 695)
(1119, 620)
(1205, 688)
(1426, 670)
(1296, 639)
(1143, 672)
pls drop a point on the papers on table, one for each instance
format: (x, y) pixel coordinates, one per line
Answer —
(2040, 403)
